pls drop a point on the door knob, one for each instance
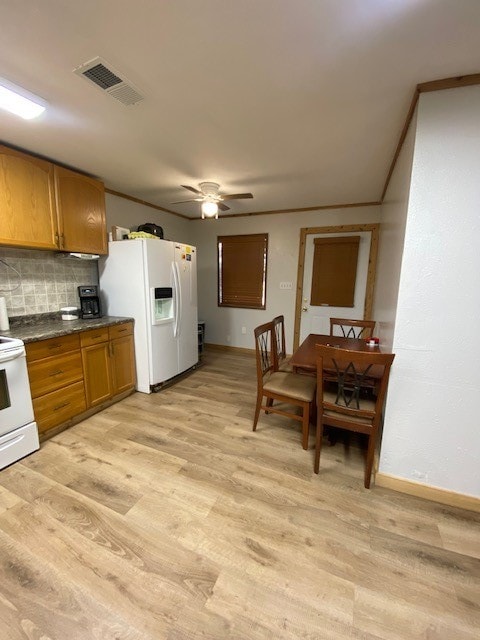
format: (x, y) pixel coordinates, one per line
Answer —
(304, 309)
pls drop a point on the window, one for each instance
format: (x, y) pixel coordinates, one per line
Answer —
(334, 271)
(242, 271)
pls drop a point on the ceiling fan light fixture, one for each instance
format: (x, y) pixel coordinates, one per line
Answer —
(209, 209)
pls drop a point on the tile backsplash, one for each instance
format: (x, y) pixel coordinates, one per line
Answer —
(45, 282)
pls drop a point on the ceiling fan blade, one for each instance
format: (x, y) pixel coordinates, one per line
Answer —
(237, 196)
(223, 207)
(193, 200)
(191, 189)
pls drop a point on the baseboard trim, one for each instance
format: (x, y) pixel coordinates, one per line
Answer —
(412, 488)
(226, 347)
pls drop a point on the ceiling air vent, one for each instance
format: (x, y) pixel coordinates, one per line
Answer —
(106, 78)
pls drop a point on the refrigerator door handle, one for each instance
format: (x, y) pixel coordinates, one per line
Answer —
(178, 302)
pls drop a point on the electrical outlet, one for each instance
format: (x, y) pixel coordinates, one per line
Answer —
(286, 285)
(244, 330)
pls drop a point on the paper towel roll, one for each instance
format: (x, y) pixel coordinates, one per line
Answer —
(4, 323)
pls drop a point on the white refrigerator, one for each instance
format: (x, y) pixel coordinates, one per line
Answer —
(154, 282)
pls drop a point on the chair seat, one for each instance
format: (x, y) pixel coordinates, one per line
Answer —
(292, 385)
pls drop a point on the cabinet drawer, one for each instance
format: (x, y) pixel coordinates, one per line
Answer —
(94, 336)
(59, 406)
(120, 330)
(52, 347)
(52, 373)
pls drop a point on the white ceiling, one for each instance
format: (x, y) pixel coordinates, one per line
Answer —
(300, 102)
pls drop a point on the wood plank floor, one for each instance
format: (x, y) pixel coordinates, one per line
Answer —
(166, 517)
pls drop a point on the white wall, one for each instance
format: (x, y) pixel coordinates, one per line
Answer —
(431, 431)
(391, 240)
(125, 213)
(224, 325)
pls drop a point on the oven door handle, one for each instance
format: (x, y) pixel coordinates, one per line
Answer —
(11, 354)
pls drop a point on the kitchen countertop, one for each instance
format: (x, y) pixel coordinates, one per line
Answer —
(45, 326)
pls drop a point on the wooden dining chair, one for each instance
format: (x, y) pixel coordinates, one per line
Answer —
(281, 362)
(280, 386)
(352, 328)
(342, 399)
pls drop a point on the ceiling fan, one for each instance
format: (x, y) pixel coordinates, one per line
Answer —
(211, 200)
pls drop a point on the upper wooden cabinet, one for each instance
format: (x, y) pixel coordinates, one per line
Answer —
(44, 206)
(81, 212)
(28, 215)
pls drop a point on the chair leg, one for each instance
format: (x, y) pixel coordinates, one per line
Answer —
(318, 444)
(305, 424)
(369, 460)
(269, 403)
(257, 411)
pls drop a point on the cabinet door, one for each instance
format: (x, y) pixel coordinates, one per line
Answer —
(27, 203)
(81, 212)
(96, 372)
(123, 364)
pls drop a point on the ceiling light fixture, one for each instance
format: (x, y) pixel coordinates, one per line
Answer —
(19, 101)
(209, 209)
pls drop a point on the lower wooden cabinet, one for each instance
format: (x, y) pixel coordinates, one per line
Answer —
(74, 373)
(56, 380)
(55, 372)
(59, 406)
(96, 366)
(108, 362)
(122, 357)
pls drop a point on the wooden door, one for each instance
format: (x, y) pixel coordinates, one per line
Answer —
(315, 316)
(123, 364)
(96, 371)
(81, 212)
(28, 215)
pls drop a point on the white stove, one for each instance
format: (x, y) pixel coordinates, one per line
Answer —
(18, 429)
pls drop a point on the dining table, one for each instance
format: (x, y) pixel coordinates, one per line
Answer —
(304, 359)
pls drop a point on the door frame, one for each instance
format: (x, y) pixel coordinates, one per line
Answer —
(371, 272)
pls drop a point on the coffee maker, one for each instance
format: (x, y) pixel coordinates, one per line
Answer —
(89, 302)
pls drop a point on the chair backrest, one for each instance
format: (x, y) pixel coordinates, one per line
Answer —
(279, 334)
(352, 328)
(350, 371)
(264, 344)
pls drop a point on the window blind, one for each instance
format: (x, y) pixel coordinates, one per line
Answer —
(242, 271)
(334, 271)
